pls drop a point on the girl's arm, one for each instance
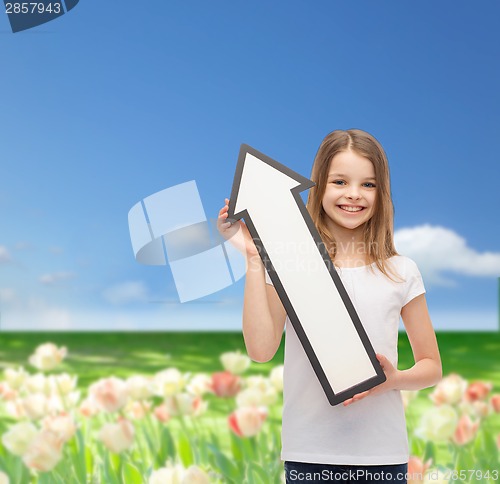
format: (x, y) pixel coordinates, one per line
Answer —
(427, 370)
(263, 314)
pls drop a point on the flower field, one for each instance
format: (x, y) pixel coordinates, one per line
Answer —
(192, 408)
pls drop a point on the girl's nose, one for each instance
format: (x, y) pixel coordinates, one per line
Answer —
(353, 194)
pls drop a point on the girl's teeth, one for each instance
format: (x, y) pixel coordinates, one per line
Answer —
(351, 209)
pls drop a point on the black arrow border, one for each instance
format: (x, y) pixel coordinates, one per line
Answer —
(305, 183)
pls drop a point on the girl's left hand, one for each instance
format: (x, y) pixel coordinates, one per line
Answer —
(390, 383)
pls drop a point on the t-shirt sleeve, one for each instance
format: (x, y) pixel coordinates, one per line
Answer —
(414, 285)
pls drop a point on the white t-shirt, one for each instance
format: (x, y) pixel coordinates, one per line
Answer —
(371, 431)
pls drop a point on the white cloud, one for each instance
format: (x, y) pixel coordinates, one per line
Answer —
(152, 317)
(438, 250)
(56, 277)
(4, 254)
(126, 292)
(7, 294)
(23, 245)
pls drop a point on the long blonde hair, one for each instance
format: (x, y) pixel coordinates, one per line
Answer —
(378, 235)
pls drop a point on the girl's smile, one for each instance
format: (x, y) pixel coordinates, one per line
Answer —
(351, 208)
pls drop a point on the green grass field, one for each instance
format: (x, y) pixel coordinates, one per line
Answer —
(93, 355)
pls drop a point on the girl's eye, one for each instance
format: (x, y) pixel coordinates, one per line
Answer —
(369, 185)
(338, 182)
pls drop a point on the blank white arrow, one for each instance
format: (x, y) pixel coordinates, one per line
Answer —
(266, 194)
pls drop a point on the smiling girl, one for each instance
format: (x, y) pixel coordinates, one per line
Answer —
(363, 440)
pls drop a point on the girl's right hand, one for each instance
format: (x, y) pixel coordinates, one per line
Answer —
(237, 233)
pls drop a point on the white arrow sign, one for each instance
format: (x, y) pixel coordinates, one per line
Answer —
(266, 194)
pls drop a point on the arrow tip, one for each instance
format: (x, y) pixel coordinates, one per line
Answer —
(257, 174)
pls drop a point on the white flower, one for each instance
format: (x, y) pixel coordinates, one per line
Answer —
(276, 377)
(167, 475)
(44, 451)
(35, 406)
(199, 384)
(449, 390)
(38, 383)
(255, 397)
(4, 478)
(61, 425)
(260, 391)
(438, 424)
(169, 382)
(185, 404)
(194, 475)
(139, 387)
(235, 362)
(63, 383)
(17, 439)
(47, 356)
(109, 393)
(71, 399)
(137, 409)
(177, 474)
(119, 436)
(15, 378)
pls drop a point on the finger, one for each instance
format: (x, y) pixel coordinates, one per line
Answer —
(382, 360)
(360, 396)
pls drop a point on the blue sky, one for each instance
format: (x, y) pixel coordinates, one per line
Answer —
(112, 103)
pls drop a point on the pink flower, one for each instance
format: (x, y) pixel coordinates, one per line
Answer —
(44, 451)
(495, 402)
(137, 409)
(225, 384)
(477, 390)
(89, 407)
(466, 430)
(449, 390)
(247, 421)
(119, 436)
(161, 413)
(110, 393)
(62, 425)
(417, 469)
(6, 392)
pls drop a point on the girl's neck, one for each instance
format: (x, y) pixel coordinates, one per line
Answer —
(351, 250)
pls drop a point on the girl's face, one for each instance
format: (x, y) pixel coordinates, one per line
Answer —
(349, 199)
